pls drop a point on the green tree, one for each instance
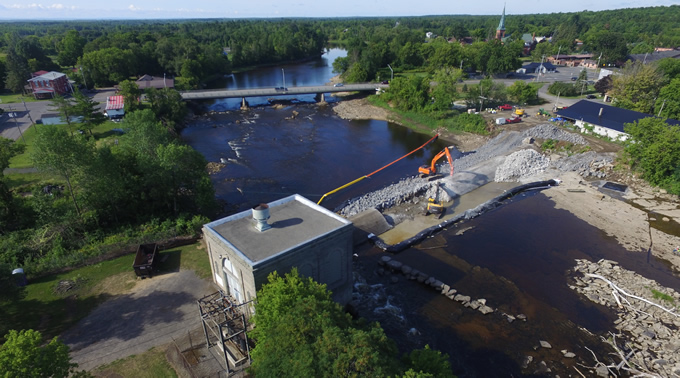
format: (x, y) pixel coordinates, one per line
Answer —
(445, 91)
(653, 148)
(428, 363)
(24, 355)
(66, 109)
(542, 51)
(88, 108)
(57, 152)
(409, 93)
(8, 204)
(670, 68)
(612, 45)
(107, 66)
(668, 103)
(131, 95)
(70, 48)
(168, 106)
(185, 177)
(16, 64)
(638, 87)
(300, 331)
(523, 93)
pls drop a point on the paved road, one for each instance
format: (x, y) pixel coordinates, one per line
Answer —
(27, 114)
(157, 310)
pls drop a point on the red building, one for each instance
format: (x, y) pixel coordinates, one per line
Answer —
(49, 84)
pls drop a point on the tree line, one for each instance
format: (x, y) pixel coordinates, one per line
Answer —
(196, 50)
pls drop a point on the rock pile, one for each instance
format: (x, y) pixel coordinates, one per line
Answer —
(550, 131)
(521, 164)
(393, 266)
(589, 164)
(648, 313)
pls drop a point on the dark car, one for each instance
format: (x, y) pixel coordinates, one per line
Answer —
(574, 78)
(384, 82)
(591, 96)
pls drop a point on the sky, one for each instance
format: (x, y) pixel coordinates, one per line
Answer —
(148, 9)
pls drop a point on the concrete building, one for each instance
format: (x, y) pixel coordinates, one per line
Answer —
(292, 232)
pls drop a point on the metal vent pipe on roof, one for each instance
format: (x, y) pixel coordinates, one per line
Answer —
(600, 114)
(261, 215)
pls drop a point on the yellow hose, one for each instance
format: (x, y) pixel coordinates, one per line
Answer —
(341, 188)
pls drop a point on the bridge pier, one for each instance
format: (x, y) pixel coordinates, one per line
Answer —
(244, 103)
(320, 97)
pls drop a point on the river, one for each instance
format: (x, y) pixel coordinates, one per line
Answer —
(518, 257)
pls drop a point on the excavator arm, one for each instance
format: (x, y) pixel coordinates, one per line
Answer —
(432, 169)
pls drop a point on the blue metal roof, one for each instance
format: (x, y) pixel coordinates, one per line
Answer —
(612, 117)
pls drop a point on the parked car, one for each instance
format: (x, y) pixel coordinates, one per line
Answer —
(574, 78)
(505, 107)
(513, 120)
(591, 96)
(385, 82)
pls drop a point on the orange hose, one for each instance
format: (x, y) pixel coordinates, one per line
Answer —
(426, 143)
(376, 171)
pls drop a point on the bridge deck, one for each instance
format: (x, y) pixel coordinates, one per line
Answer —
(267, 92)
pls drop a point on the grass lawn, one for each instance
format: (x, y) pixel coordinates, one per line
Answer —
(150, 364)
(13, 98)
(52, 313)
(101, 133)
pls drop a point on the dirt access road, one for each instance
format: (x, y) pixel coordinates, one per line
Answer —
(152, 313)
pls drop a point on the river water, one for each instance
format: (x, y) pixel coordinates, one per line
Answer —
(518, 257)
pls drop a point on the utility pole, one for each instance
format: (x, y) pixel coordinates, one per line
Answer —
(283, 73)
(664, 103)
(461, 64)
(392, 75)
(540, 68)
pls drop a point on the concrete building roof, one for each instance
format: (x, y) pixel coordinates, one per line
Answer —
(295, 221)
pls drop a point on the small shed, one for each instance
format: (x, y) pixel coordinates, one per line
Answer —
(292, 232)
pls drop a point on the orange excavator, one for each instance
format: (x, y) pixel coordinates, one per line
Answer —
(431, 170)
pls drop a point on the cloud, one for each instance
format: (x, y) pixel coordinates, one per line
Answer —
(133, 8)
(41, 7)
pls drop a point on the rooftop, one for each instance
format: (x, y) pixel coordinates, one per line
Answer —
(612, 117)
(48, 76)
(295, 221)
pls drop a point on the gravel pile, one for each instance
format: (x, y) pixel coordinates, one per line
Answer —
(549, 131)
(589, 164)
(501, 145)
(521, 164)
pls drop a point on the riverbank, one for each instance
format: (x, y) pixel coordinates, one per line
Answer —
(362, 109)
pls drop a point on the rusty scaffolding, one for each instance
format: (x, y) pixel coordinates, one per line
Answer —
(225, 325)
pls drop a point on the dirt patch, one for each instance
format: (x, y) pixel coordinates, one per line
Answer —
(116, 284)
(360, 108)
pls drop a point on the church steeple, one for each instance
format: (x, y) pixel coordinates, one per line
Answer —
(500, 31)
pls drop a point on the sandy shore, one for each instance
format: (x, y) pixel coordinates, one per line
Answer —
(631, 222)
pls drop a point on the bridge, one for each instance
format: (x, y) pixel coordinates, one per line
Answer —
(267, 92)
